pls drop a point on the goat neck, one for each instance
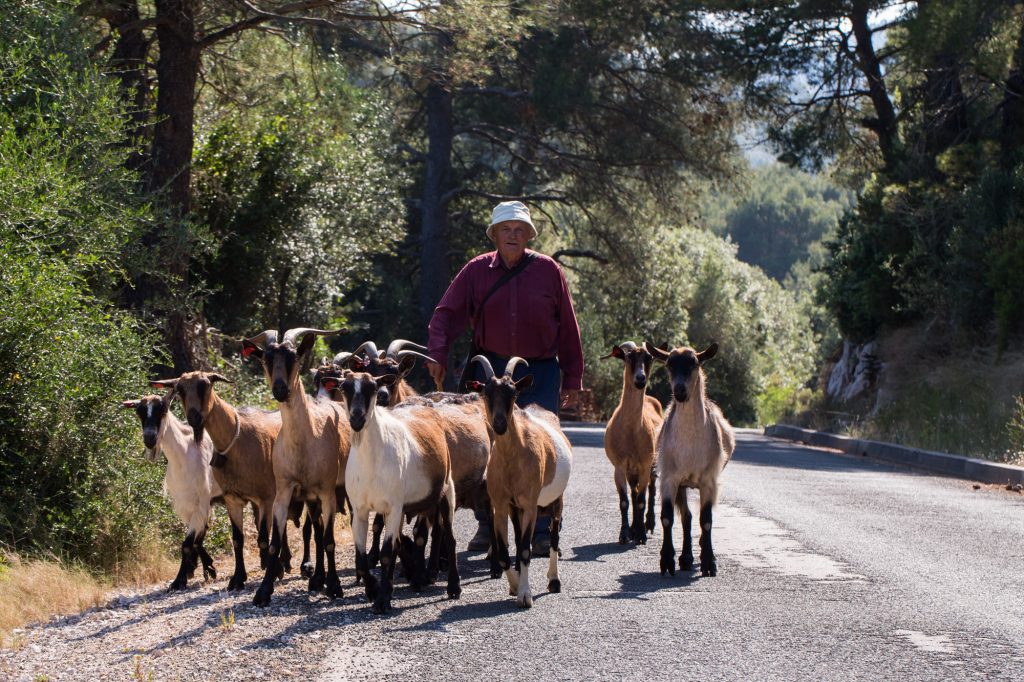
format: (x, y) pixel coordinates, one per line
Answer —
(695, 410)
(631, 403)
(174, 440)
(221, 422)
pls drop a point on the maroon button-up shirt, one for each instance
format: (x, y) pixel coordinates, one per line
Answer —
(531, 315)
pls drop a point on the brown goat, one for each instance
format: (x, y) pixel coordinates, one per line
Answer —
(695, 444)
(529, 468)
(309, 454)
(630, 441)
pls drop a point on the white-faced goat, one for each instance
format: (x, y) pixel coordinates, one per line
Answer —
(398, 465)
(309, 454)
(529, 468)
(630, 441)
(694, 446)
(242, 463)
(188, 481)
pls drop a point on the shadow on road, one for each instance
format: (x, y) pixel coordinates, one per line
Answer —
(598, 550)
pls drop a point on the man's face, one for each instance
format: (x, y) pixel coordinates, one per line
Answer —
(511, 238)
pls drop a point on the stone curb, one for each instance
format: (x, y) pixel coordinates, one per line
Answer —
(936, 462)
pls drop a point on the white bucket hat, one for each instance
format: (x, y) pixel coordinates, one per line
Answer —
(510, 210)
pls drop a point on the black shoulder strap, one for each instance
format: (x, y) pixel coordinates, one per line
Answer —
(527, 259)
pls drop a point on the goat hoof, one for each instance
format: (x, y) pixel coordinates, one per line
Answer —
(178, 584)
(381, 606)
(371, 590)
(524, 602)
(237, 582)
(555, 586)
(650, 525)
(316, 583)
(623, 538)
(306, 570)
(709, 570)
(209, 573)
(262, 597)
(685, 563)
(334, 590)
(668, 565)
(454, 591)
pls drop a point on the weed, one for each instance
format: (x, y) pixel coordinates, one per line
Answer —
(227, 620)
(139, 673)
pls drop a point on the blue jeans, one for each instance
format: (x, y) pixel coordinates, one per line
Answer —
(545, 391)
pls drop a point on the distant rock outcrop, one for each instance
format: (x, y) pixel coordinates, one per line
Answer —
(855, 373)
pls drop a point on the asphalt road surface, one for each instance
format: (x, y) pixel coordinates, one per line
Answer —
(829, 567)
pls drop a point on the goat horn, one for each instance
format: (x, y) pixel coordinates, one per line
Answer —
(485, 363)
(402, 354)
(292, 334)
(341, 359)
(512, 362)
(627, 346)
(264, 338)
(398, 344)
(370, 347)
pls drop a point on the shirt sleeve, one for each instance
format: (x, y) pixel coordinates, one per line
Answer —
(450, 318)
(570, 348)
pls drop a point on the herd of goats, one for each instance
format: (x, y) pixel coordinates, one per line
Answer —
(366, 438)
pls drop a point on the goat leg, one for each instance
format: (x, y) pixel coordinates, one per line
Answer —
(499, 546)
(446, 527)
(360, 525)
(188, 562)
(436, 559)
(306, 568)
(554, 583)
(378, 528)
(638, 491)
(708, 566)
(668, 552)
(317, 580)
(237, 580)
(686, 556)
(620, 486)
(333, 583)
(209, 571)
(651, 497)
(525, 519)
(266, 588)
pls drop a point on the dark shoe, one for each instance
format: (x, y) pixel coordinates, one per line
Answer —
(481, 542)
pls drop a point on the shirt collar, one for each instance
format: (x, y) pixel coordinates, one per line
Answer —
(496, 261)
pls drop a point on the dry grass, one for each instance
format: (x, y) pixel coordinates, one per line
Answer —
(38, 589)
(35, 590)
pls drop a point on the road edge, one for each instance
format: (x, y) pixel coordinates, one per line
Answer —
(958, 466)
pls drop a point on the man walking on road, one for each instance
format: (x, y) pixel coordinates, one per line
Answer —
(517, 303)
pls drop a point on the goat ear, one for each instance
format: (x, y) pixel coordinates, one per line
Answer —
(388, 379)
(658, 353)
(214, 378)
(329, 383)
(307, 343)
(130, 404)
(707, 353)
(616, 352)
(406, 365)
(524, 383)
(250, 348)
(475, 386)
(164, 383)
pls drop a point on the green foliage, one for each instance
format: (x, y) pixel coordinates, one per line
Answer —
(70, 481)
(297, 200)
(781, 218)
(686, 286)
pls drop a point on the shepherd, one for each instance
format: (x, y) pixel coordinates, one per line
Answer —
(517, 303)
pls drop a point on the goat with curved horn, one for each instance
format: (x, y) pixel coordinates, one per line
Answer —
(263, 338)
(370, 347)
(398, 344)
(292, 334)
(488, 369)
(402, 354)
(512, 363)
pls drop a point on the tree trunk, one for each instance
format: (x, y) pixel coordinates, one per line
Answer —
(945, 109)
(177, 71)
(129, 61)
(434, 272)
(884, 123)
(1012, 133)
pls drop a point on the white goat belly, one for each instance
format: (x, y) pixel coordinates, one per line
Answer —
(563, 466)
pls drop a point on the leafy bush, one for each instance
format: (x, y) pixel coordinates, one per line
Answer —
(70, 482)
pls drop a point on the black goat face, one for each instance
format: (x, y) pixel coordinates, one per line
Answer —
(151, 411)
(683, 369)
(280, 361)
(500, 395)
(360, 390)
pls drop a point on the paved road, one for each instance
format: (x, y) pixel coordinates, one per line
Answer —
(830, 567)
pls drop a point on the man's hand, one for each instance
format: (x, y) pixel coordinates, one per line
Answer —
(437, 374)
(571, 398)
